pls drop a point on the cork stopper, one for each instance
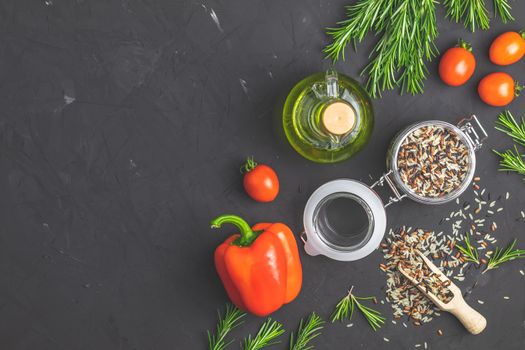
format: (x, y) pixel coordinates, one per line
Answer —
(338, 118)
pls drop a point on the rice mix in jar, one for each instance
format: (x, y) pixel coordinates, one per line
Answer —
(433, 161)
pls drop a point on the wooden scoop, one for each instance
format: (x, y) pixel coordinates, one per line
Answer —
(473, 321)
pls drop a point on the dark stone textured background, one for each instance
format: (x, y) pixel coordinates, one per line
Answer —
(122, 128)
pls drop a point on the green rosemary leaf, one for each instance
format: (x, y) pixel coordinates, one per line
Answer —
(470, 253)
(266, 336)
(232, 318)
(476, 15)
(473, 13)
(306, 333)
(454, 9)
(343, 309)
(508, 125)
(502, 10)
(511, 161)
(364, 16)
(501, 256)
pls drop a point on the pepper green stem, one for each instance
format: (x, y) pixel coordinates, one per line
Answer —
(522, 33)
(246, 232)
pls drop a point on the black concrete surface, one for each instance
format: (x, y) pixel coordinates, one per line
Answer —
(122, 128)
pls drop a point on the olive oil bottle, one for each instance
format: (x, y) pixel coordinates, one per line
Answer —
(328, 117)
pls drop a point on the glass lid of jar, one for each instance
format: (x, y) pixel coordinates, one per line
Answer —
(344, 220)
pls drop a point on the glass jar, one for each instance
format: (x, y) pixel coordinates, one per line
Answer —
(328, 117)
(353, 230)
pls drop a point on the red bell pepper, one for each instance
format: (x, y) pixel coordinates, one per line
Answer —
(260, 267)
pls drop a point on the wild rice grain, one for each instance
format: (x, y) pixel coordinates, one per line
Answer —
(433, 161)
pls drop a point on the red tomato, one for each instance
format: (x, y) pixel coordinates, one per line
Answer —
(498, 89)
(260, 181)
(508, 48)
(457, 64)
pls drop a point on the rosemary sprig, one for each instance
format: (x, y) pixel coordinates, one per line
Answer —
(508, 125)
(232, 318)
(511, 161)
(345, 310)
(502, 9)
(501, 256)
(306, 333)
(364, 16)
(469, 252)
(407, 29)
(266, 336)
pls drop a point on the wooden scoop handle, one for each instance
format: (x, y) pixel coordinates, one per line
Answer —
(473, 321)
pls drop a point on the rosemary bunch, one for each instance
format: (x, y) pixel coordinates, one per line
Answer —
(508, 125)
(306, 333)
(232, 318)
(345, 310)
(501, 256)
(266, 336)
(469, 252)
(406, 30)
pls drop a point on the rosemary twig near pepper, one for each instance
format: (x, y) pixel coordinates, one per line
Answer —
(231, 319)
(266, 336)
(345, 310)
(501, 256)
(306, 332)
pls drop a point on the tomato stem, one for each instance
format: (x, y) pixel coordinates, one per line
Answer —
(464, 45)
(249, 165)
(246, 232)
(518, 88)
(522, 33)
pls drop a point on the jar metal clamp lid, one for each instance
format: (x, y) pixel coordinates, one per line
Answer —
(324, 235)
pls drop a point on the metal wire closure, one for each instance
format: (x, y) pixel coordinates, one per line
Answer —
(397, 195)
(475, 132)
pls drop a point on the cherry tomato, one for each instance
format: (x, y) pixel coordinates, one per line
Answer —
(508, 48)
(457, 64)
(498, 89)
(260, 181)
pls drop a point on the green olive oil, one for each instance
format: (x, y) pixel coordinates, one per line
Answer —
(328, 117)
